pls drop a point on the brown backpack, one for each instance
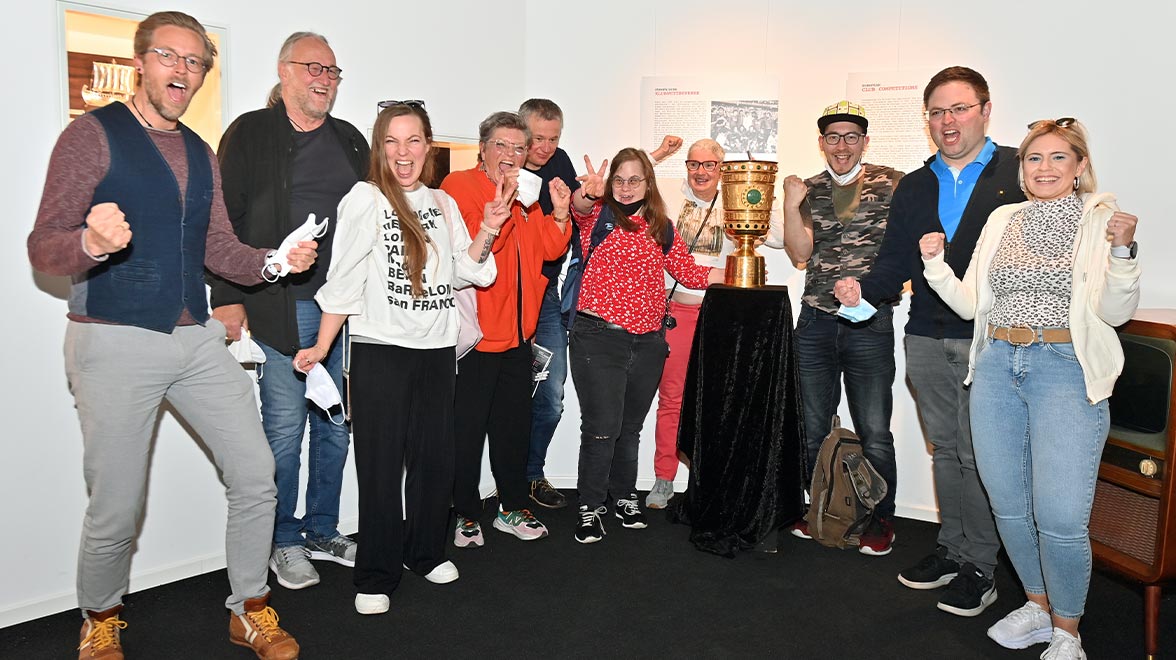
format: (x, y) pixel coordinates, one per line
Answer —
(846, 489)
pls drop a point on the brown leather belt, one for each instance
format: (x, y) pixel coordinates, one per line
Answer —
(1023, 335)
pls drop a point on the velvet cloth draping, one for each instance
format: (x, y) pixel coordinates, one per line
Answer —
(742, 425)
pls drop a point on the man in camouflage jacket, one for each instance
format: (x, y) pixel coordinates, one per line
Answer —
(834, 222)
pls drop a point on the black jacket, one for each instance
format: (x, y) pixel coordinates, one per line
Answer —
(256, 154)
(914, 211)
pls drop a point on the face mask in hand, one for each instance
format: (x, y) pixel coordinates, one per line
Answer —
(861, 312)
(320, 388)
(247, 351)
(529, 187)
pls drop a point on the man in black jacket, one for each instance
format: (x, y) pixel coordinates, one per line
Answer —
(278, 166)
(953, 193)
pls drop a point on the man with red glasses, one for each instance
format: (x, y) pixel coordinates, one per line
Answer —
(281, 164)
(132, 211)
(953, 194)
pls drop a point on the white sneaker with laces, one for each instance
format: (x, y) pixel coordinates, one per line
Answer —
(1064, 646)
(1023, 627)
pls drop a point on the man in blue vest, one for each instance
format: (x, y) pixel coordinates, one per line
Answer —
(132, 212)
(280, 164)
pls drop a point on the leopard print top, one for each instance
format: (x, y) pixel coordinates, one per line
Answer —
(1032, 271)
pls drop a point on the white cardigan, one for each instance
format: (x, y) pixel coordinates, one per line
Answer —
(367, 281)
(1105, 291)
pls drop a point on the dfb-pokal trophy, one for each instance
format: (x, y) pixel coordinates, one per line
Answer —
(748, 192)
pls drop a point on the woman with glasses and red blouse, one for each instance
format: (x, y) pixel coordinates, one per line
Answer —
(616, 341)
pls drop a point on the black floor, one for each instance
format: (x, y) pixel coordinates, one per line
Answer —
(637, 594)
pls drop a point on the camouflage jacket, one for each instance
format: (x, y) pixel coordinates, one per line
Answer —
(843, 250)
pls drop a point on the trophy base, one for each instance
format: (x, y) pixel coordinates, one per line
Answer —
(745, 271)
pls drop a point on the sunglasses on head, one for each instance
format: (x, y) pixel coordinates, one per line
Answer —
(1060, 122)
(412, 103)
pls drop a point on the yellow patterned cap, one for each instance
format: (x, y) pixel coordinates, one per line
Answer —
(843, 111)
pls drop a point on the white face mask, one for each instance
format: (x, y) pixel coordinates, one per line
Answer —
(848, 177)
(320, 388)
(247, 351)
(529, 187)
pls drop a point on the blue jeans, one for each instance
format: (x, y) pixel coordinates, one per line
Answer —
(1032, 424)
(284, 411)
(829, 348)
(547, 404)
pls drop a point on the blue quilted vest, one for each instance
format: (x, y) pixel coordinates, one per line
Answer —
(161, 272)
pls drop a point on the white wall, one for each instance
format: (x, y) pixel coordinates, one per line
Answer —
(1096, 65)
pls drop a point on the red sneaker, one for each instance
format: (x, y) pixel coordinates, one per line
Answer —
(801, 531)
(878, 539)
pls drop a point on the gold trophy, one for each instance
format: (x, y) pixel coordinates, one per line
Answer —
(748, 192)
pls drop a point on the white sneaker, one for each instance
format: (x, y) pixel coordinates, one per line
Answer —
(1064, 646)
(1023, 627)
(371, 603)
(444, 573)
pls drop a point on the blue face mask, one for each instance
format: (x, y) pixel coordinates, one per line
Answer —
(862, 312)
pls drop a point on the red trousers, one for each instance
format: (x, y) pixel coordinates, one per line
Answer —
(669, 391)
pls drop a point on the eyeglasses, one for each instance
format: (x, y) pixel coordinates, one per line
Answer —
(508, 147)
(957, 110)
(707, 165)
(412, 103)
(850, 138)
(1060, 122)
(315, 69)
(631, 182)
(169, 58)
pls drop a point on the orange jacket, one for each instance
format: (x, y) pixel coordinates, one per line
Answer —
(526, 240)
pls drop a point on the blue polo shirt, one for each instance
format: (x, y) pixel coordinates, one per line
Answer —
(954, 192)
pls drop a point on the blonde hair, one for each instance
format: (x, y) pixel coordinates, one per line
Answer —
(1074, 134)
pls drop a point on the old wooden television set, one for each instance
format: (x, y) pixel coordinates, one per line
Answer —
(1133, 522)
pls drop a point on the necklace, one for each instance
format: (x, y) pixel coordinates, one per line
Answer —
(135, 105)
(295, 124)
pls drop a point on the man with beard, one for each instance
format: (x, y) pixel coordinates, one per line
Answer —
(834, 222)
(132, 210)
(279, 165)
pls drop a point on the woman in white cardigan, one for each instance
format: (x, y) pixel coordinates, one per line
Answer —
(400, 249)
(1049, 281)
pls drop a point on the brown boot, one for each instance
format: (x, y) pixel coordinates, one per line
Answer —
(258, 629)
(100, 635)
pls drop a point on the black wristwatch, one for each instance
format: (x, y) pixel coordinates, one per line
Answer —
(1125, 251)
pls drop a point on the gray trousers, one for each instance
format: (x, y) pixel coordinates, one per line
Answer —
(937, 369)
(119, 376)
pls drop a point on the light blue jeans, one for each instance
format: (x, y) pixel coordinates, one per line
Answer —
(284, 413)
(1032, 424)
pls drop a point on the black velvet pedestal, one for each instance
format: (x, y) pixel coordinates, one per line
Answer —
(742, 423)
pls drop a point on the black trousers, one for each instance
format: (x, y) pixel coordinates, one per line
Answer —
(616, 374)
(493, 398)
(402, 419)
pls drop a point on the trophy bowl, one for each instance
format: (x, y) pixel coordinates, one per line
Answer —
(748, 193)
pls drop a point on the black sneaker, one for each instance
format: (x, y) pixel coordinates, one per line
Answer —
(630, 513)
(591, 528)
(969, 593)
(932, 571)
(545, 495)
